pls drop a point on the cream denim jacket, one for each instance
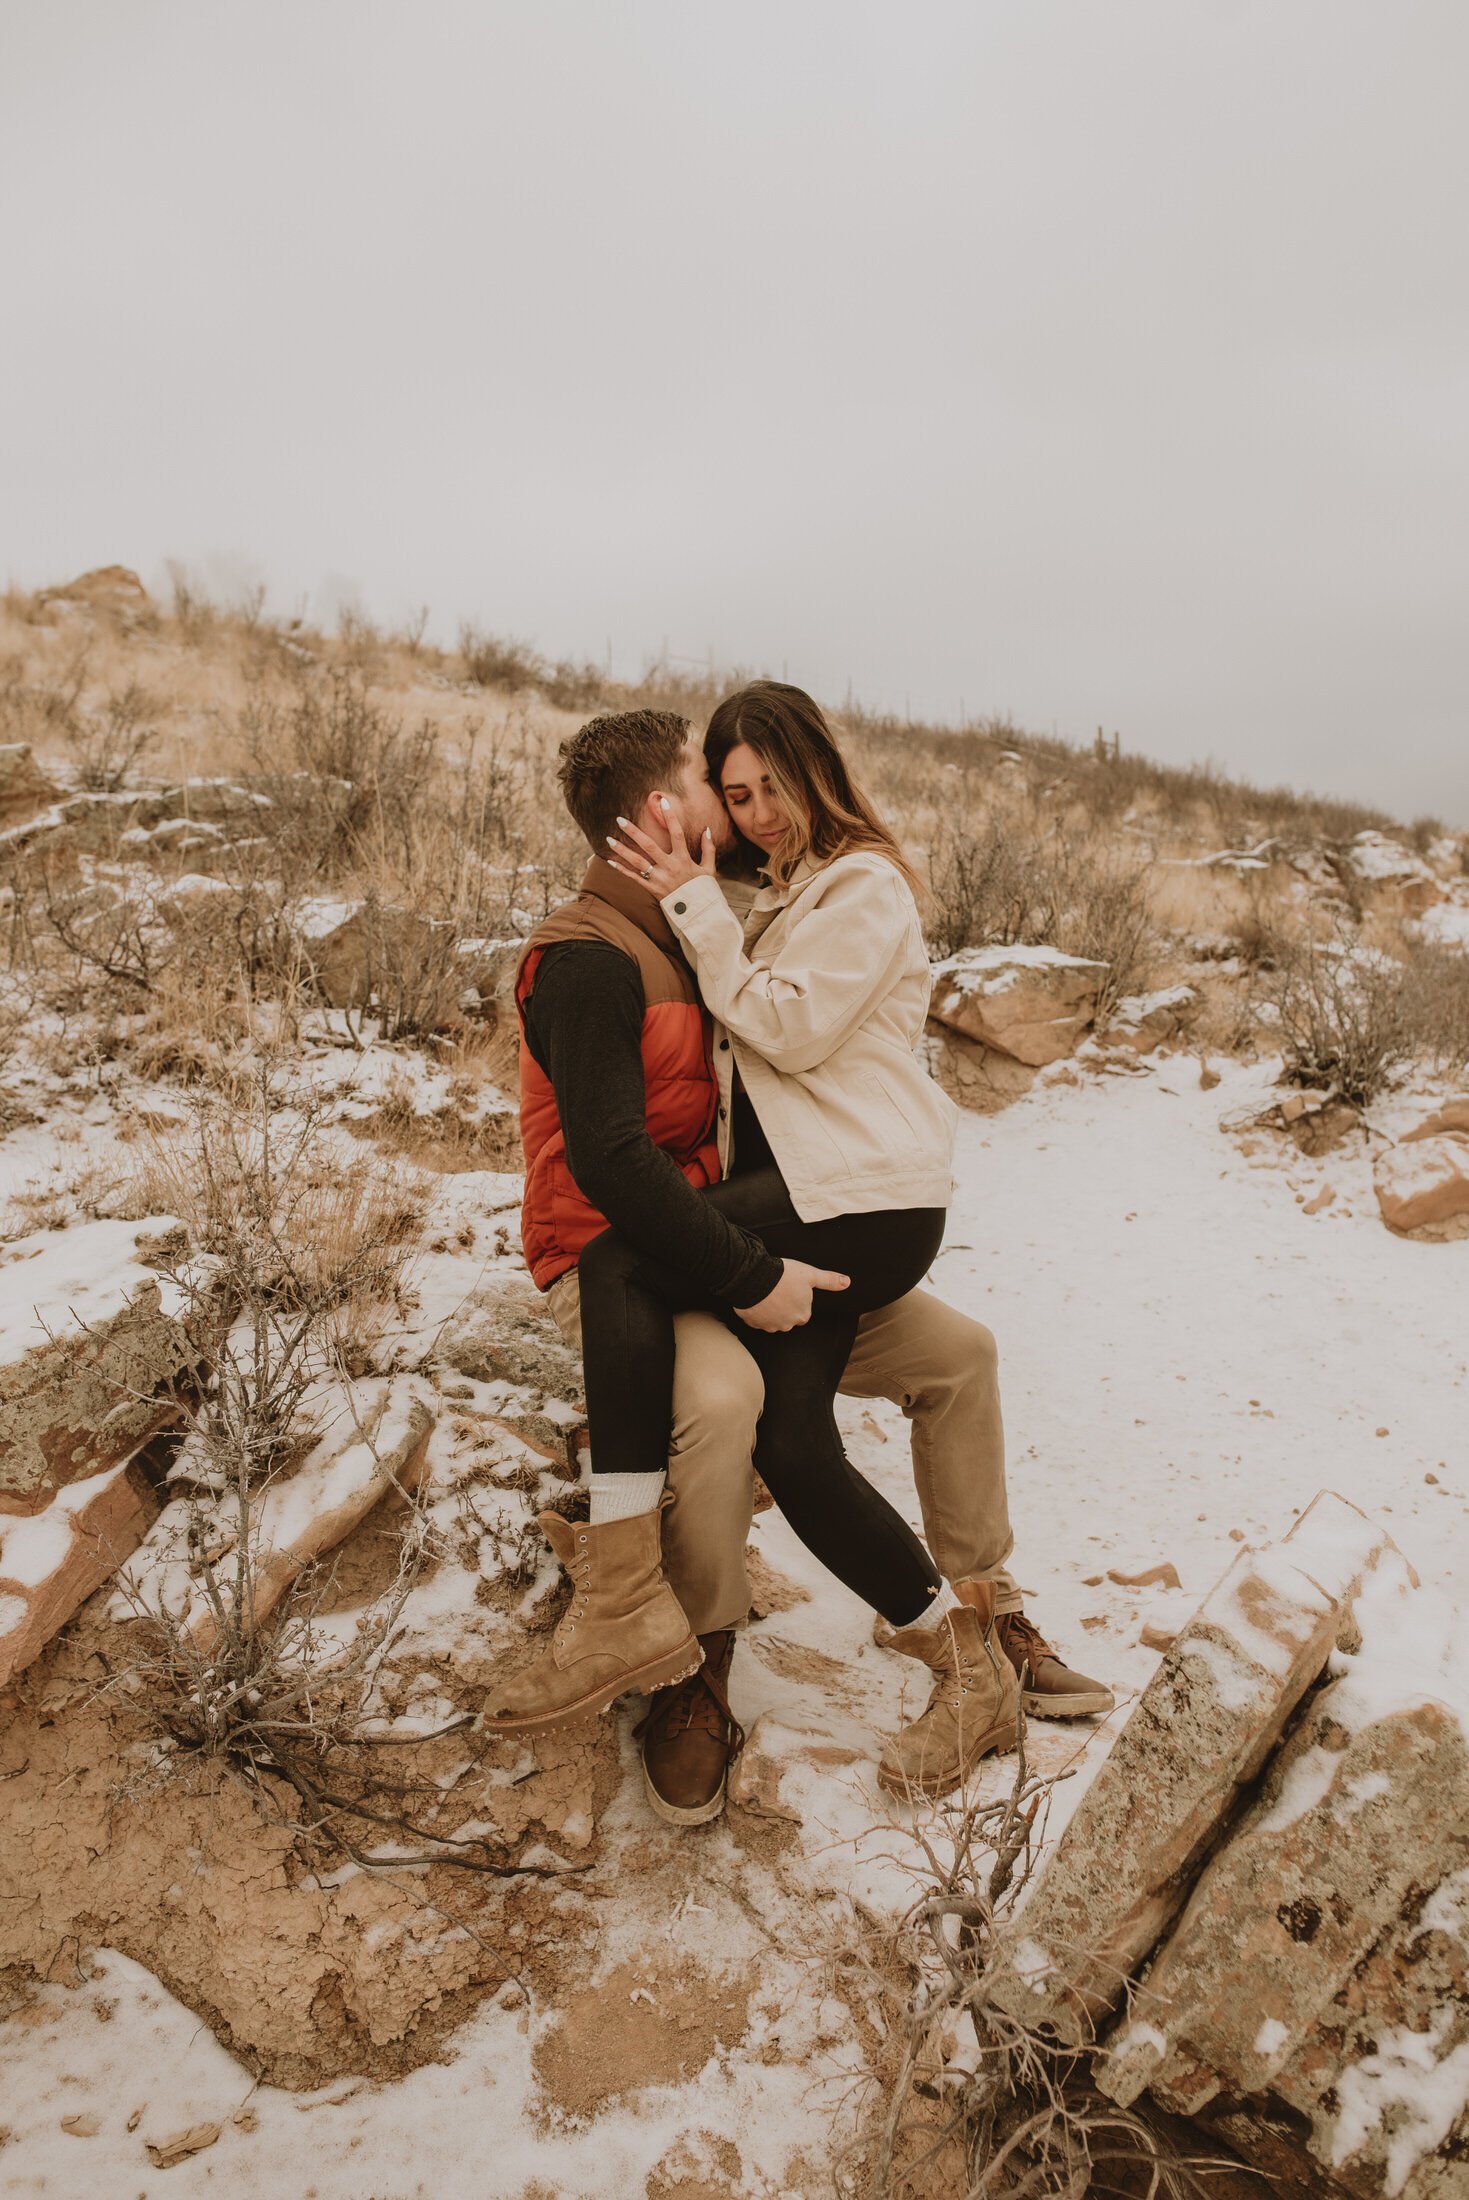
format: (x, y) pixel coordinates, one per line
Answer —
(819, 999)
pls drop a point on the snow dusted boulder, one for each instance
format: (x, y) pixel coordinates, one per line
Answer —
(1393, 876)
(24, 787)
(303, 1515)
(1445, 925)
(366, 952)
(1315, 868)
(1143, 1021)
(1030, 1002)
(1314, 1121)
(1424, 1182)
(1314, 1995)
(91, 1348)
(502, 1334)
(193, 896)
(51, 1561)
(96, 823)
(1452, 1116)
(214, 802)
(108, 588)
(1201, 1732)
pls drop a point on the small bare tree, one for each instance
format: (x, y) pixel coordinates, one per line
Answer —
(1343, 1012)
(108, 745)
(1023, 2113)
(288, 1254)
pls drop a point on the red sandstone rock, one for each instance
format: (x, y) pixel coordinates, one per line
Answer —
(51, 1561)
(1423, 1182)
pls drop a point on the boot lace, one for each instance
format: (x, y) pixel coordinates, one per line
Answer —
(580, 1570)
(698, 1704)
(1022, 1634)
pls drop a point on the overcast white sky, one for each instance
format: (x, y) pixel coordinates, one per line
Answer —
(1097, 361)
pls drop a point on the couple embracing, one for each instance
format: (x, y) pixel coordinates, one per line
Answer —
(737, 1173)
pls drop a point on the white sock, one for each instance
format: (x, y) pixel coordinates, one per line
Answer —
(623, 1496)
(934, 1612)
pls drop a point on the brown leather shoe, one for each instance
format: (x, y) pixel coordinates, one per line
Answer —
(690, 1739)
(1049, 1689)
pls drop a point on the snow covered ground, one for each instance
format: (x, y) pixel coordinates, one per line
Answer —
(1187, 1357)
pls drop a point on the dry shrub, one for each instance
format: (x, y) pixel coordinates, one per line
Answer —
(993, 882)
(105, 930)
(42, 710)
(980, 2105)
(286, 1250)
(109, 744)
(195, 615)
(1343, 1016)
(340, 769)
(1350, 1017)
(570, 686)
(492, 662)
(291, 1230)
(1436, 1000)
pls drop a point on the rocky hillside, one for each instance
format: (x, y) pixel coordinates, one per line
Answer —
(278, 1406)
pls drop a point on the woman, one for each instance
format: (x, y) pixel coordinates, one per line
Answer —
(837, 1151)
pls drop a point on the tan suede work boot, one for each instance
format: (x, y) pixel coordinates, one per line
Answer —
(690, 1739)
(1050, 1689)
(624, 1628)
(975, 1704)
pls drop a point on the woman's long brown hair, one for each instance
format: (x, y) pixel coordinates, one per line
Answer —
(829, 814)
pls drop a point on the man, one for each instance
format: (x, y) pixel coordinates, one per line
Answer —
(618, 1101)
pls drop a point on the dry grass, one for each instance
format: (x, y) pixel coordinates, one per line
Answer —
(417, 785)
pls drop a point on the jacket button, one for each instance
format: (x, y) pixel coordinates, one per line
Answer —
(679, 908)
(724, 1046)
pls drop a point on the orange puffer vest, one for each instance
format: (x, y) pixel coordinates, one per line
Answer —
(557, 1221)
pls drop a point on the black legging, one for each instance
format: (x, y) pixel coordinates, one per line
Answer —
(628, 1301)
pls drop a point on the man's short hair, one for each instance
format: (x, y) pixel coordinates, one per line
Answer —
(609, 769)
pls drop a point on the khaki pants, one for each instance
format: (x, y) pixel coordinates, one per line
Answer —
(937, 1364)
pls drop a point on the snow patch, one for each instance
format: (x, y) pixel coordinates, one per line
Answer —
(998, 969)
(56, 1280)
(1446, 925)
(1425, 2093)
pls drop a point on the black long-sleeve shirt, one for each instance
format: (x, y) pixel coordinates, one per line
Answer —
(583, 1024)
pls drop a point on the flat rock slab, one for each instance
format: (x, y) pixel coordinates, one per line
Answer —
(1143, 1021)
(1201, 1731)
(294, 1521)
(91, 1346)
(1033, 1003)
(1314, 1995)
(51, 1561)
